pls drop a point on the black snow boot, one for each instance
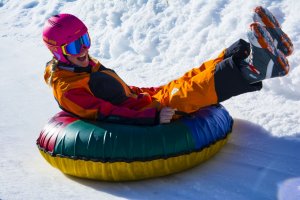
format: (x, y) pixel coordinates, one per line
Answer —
(265, 60)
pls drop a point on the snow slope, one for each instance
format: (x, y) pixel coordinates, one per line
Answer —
(149, 44)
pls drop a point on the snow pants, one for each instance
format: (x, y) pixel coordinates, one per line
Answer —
(211, 83)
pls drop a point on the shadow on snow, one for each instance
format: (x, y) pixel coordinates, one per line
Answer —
(253, 165)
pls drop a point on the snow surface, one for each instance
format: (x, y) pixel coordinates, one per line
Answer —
(150, 43)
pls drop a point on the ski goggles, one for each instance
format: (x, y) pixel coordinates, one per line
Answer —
(75, 47)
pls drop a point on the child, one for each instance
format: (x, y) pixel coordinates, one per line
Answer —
(84, 87)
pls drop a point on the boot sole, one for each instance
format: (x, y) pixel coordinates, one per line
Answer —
(265, 17)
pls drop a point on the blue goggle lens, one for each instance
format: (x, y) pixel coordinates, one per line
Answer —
(76, 46)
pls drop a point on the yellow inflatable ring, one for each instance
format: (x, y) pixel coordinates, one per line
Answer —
(115, 152)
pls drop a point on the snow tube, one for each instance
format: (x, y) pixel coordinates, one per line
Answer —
(115, 152)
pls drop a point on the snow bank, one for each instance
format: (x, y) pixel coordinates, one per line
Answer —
(150, 43)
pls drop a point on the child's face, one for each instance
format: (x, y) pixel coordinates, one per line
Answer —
(81, 59)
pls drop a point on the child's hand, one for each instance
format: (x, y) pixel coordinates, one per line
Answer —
(166, 115)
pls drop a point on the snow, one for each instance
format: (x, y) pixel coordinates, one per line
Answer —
(150, 43)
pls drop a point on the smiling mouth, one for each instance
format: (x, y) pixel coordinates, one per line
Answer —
(82, 58)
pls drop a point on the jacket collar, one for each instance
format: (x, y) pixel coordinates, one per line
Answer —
(94, 65)
(74, 68)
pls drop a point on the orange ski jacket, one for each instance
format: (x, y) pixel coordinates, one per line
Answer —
(75, 92)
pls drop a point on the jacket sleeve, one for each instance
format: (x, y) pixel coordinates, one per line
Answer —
(151, 90)
(82, 103)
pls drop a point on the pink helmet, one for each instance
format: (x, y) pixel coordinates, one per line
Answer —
(62, 29)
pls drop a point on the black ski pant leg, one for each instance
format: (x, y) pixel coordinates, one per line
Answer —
(229, 81)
